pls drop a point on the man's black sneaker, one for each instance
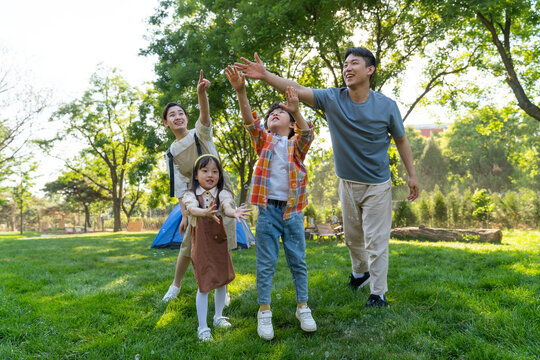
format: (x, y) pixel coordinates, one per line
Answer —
(376, 301)
(357, 283)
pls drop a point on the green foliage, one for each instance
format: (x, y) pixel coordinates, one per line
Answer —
(322, 185)
(425, 209)
(432, 168)
(404, 215)
(440, 211)
(483, 205)
(417, 142)
(103, 120)
(452, 201)
(493, 148)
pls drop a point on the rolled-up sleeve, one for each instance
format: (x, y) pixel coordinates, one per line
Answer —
(204, 133)
(225, 197)
(190, 200)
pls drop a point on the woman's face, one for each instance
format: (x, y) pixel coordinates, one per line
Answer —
(176, 118)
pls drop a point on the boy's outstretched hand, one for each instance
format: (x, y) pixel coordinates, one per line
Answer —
(292, 100)
(253, 70)
(235, 78)
(203, 84)
(241, 212)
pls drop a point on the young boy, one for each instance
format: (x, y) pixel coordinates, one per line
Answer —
(279, 190)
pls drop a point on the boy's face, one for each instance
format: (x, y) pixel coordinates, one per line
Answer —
(176, 118)
(355, 71)
(279, 122)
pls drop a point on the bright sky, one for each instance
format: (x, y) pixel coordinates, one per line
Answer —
(57, 45)
(62, 41)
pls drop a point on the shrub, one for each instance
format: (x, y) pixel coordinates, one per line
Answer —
(404, 215)
(483, 205)
(440, 215)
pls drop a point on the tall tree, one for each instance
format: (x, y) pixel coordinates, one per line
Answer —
(21, 193)
(301, 40)
(511, 27)
(101, 119)
(76, 191)
(494, 149)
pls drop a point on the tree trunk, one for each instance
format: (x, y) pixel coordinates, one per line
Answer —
(21, 217)
(13, 216)
(117, 208)
(86, 217)
(493, 236)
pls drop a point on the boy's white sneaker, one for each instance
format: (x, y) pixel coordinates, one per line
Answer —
(171, 293)
(221, 322)
(264, 325)
(306, 320)
(204, 334)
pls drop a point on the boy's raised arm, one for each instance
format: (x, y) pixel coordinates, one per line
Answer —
(204, 108)
(256, 70)
(238, 83)
(292, 106)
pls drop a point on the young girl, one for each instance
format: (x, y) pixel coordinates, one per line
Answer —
(190, 144)
(279, 190)
(210, 256)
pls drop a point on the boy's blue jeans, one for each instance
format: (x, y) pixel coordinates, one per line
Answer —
(270, 227)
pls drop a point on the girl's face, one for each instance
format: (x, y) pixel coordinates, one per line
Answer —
(208, 176)
(176, 118)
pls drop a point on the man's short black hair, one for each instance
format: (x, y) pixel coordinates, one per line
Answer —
(368, 56)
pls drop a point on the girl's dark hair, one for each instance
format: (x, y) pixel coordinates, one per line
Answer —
(170, 105)
(269, 111)
(203, 161)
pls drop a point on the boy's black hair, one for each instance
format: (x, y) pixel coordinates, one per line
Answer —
(203, 161)
(368, 56)
(269, 111)
(170, 105)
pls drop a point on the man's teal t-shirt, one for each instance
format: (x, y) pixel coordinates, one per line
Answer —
(360, 133)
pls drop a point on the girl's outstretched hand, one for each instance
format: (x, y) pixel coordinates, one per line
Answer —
(235, 78)
(293, 102)
(210, 212)
(203, 84)
(241, 212)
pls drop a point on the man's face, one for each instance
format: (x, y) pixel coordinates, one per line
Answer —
(355, 71)
(176, 118)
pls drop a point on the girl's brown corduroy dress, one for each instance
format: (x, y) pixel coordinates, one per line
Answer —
(210, 255)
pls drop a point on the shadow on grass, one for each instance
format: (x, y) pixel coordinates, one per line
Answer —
(100, 297)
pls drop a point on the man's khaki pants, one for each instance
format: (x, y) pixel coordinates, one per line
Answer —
(367, 221)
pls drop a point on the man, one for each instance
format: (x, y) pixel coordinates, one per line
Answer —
(361, 122)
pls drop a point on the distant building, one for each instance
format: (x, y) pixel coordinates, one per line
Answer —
(427, 129)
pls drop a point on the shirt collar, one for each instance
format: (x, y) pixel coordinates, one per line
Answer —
(212, 191)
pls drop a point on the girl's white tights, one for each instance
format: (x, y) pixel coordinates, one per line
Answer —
(202, 305)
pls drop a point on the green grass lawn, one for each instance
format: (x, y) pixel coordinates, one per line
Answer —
(99, 296)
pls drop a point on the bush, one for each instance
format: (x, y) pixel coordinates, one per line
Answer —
(440, 215)
(404, 215)
(483, 205)
(453, 209)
